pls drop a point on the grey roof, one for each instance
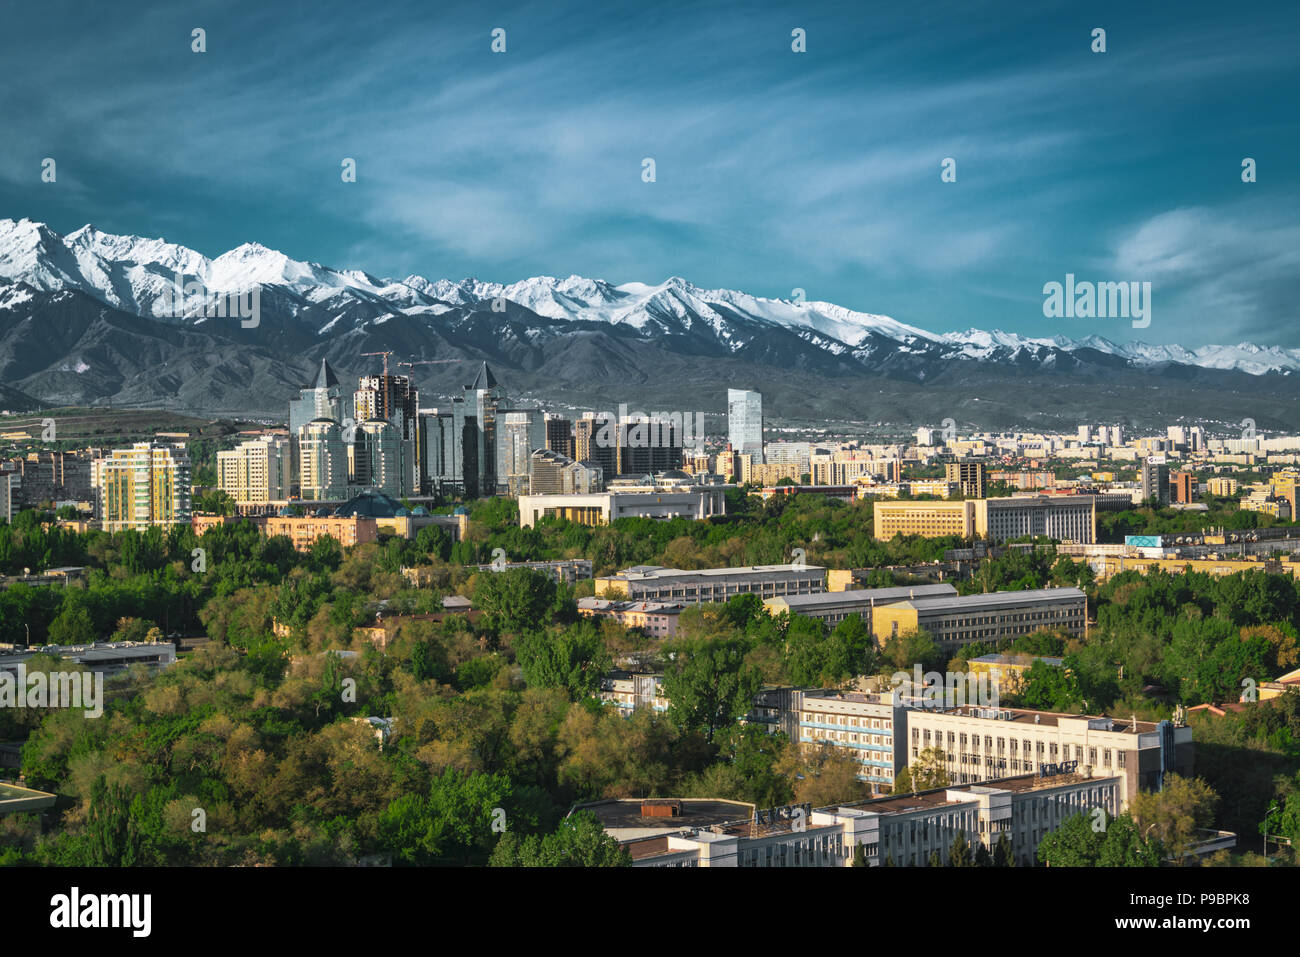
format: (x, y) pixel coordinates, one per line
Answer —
(996, 598)
(866, 596)
(325, 378)
(485, 379)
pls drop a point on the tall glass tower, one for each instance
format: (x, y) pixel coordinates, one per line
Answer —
(745, 422)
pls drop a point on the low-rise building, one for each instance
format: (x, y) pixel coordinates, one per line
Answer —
(602, 508)
(656, 618)
(957, 620)
(656, 583)
(982, 744)
(905, 830)
(833, 607)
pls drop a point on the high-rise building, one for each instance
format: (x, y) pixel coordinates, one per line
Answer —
(970, 476)
(559, 435)
(1085, 434)
(555, 474)
(322, 461)
(323, 399)
(257, 471)
(520, 433)
(147, 484)
(1183, 486)
(474, 424)
(1155, 479)
(383, 398)
(380, 458)
(592, 443)
(745, 422)
(648, 445)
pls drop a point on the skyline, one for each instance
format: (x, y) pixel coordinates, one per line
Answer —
(775, 171)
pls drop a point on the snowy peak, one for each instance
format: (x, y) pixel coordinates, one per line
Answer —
(139, 275)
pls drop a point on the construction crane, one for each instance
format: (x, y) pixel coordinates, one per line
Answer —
(430, 362)
(385, 355)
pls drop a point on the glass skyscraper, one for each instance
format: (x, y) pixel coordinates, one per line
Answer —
(745, 422)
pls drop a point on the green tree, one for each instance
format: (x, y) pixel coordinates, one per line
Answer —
(572, 659)
(709, 684)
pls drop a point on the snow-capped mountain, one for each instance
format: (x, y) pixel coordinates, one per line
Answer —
(93, 316)
(136, 275)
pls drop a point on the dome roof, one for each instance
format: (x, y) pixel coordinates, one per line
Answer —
(370, 505)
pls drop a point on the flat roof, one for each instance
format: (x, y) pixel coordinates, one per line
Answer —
(651, 572)
(624, 813)
(865, 596)
(1001, 599)
(1049, 719)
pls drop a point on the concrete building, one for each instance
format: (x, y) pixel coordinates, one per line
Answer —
(1008, 670)
(602, 508)
(656, 583)
(981, 744)
(257, 471)
(551, 473)
(955, 621)
(147, 484)
(322, 399)
(568, 570)
(904, 830)
(101, 657)
(380, 459)
(305, 530)
(833, 607)
(658, 619)
(1155, 479)
(970, 477)
(868, 726)
(1068, 518)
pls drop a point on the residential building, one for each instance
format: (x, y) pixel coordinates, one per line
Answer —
(322, 461)
(257, 471)
(303, 531)
(1008, 670)
(970, 477)
(551, 473)
(147, 484)
(1155, 479)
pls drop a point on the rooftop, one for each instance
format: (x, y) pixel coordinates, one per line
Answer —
(865, 596)
(994, 599)
(641, 572)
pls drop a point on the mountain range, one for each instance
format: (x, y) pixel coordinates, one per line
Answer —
(92, 318)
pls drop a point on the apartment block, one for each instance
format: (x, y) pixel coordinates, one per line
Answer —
(257, 471)
(147, 484)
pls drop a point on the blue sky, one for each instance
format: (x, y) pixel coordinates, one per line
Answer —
(775, 170)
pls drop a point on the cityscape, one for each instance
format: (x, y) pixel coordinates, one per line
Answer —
(906, 476)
